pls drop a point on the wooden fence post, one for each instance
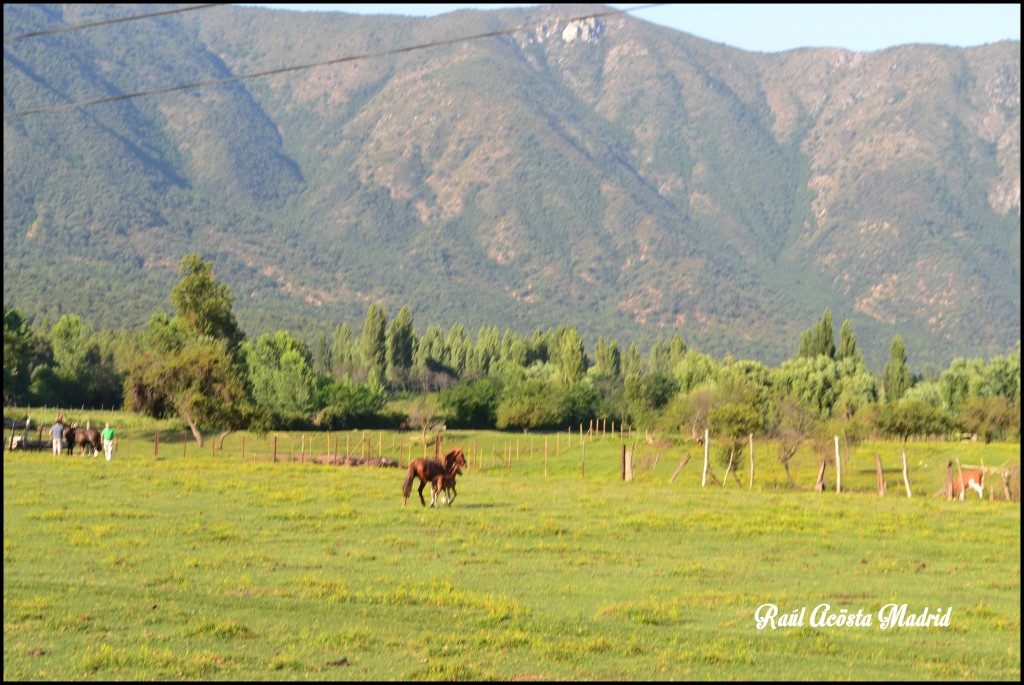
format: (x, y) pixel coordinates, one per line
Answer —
(156, 444)
(679, 468)
(820, 485)
(881, 478)
(906, 473)
(275, 449)
(732, 455)
(704, 478)
(960, 475)
(751, 462)
(839, 470)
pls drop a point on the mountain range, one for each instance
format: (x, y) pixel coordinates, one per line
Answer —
(600, 172)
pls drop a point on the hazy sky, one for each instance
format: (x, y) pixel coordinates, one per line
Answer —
(772, 28)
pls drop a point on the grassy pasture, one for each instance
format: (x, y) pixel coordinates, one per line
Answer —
(200, 564)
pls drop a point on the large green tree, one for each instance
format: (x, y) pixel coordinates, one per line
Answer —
(819, 339)
(401, 346)
(897, 373)
(76, 356)
(811, 381)
(694, 369)
(197, 382)
(607, 358)
(848, 344)
(202, 305)
(344, 355)
(17, 355)
(280, 375)
(908, 417)
(374, 342)
(572, 363)
(190, 365)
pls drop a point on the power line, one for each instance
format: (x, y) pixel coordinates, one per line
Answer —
(76, 27)
(299, 67)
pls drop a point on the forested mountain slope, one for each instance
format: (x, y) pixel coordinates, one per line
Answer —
(626, 179)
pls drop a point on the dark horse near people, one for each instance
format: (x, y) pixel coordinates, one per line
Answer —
(84, 437)
(433, 471)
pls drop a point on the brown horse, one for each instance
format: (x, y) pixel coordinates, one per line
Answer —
(85, 437)
(432, 471)
(447, 483)
(455, 460)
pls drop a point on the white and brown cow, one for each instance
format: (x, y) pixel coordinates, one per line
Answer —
(973, 479)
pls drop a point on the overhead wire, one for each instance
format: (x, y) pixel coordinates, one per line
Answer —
(76, 27)
(340, 60)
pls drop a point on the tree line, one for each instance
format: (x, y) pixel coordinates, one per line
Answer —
(199, 366)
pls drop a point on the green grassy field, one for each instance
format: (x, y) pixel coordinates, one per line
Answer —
(202, 564)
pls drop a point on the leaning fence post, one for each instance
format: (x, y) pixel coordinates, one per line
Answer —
(679, 468)
(819, 486)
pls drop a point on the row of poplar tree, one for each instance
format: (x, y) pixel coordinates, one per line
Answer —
(199, 366)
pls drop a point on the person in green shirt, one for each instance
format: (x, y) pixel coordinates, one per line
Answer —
(108, 441)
